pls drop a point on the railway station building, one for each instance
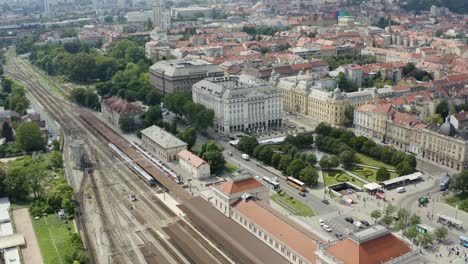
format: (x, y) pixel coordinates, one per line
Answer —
(161, 143)
(246, 201)
(114, 108)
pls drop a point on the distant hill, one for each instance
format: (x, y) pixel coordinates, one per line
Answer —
(456, 6)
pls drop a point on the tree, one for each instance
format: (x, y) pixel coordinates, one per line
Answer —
(300, 141)
(189, 136)
(404, 168)
(311, 159)
(328, 162)
(400, 225)
(460, 184)
(295, 168)
(127, 123)
(275, 160)
(440, 233)
(414, 220)
(435, 119)
(402, 214)
(387, 220)
(410, 67)
(108, 19)
(376, 214)
(349, 115)
(309, 176)
(7, 132)
(266, 154)
(284, 162)
(390, 210)
(426, 239)
(438, 33)
(247, 144)
(174, 127)
(382, 174)
(205, 119)
(29, 137)
(411, 232)
(7, 84)
(55, 159)
(347, 157)
(56, 145)
(152, 116)
(443, 109)
(216, 160)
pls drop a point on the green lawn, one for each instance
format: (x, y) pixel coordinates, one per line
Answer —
(457, 201)
(333, 177)
(52, 236)
(366, 160)
(230, 168)
(303, 209)
(368, 173)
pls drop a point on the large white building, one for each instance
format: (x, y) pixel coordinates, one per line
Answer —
(240, 103)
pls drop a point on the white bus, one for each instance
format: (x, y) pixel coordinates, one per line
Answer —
(274, 184)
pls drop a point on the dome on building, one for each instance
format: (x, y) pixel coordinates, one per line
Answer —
(337, 90)
(447, 129)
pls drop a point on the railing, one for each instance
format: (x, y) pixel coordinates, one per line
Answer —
(404, 258)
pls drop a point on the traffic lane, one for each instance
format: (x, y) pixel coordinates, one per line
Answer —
(251, 166)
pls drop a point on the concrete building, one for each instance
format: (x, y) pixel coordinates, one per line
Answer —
(114, 108)
(240, 103)
(139, 16)
(195, 166)
(162, 143)
(194, 11)
(442, 144)
(299, 95)
(353, 72)
(245, 200)
(371, 245)
(169, 76)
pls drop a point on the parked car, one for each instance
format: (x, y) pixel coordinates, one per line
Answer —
(303, 194)
(230, 153)
(349, 219)
(339, 236)
(364, 222)
(358, 224)
(325, 201)
(321, 223)
(326, 228)
(401, 190)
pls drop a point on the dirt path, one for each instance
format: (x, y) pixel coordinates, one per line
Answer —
(31, 252)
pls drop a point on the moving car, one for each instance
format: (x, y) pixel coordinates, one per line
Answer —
(230, 153)
(325, 201)
(321, 223)
(349, 219)
(245, 157)
(326, 228)
(303, 194)
(365, 223)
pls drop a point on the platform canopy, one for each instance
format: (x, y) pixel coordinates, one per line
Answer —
(372, 186)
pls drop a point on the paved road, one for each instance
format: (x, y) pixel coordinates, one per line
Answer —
(31, 252)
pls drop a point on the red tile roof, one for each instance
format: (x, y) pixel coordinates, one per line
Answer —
(378, 250)
(232, 187)
(191, 158)
(299, 240)
(119, 105)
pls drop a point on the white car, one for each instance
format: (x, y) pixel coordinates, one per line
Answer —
(326, 228)
(321, 223)
(401, 190)
(358, 224)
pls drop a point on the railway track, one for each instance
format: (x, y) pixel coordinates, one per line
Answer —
(110, 198)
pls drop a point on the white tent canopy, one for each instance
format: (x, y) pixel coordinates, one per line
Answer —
(372, 186)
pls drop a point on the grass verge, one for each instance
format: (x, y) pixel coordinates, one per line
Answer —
(457, 201)
(52, 235)
(366, 160)
(303, 209)
(230, 168)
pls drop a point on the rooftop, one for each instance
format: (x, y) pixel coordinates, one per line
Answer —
(191, 158)
(232, 186)
(302, 242)
(162, 137)
(121, 106)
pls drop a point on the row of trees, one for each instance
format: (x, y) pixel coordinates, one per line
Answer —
(13, 96)
(339, 140)
(181, 104)
(342, 59)
(286, 157)
(403, 221)
(86, 98)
